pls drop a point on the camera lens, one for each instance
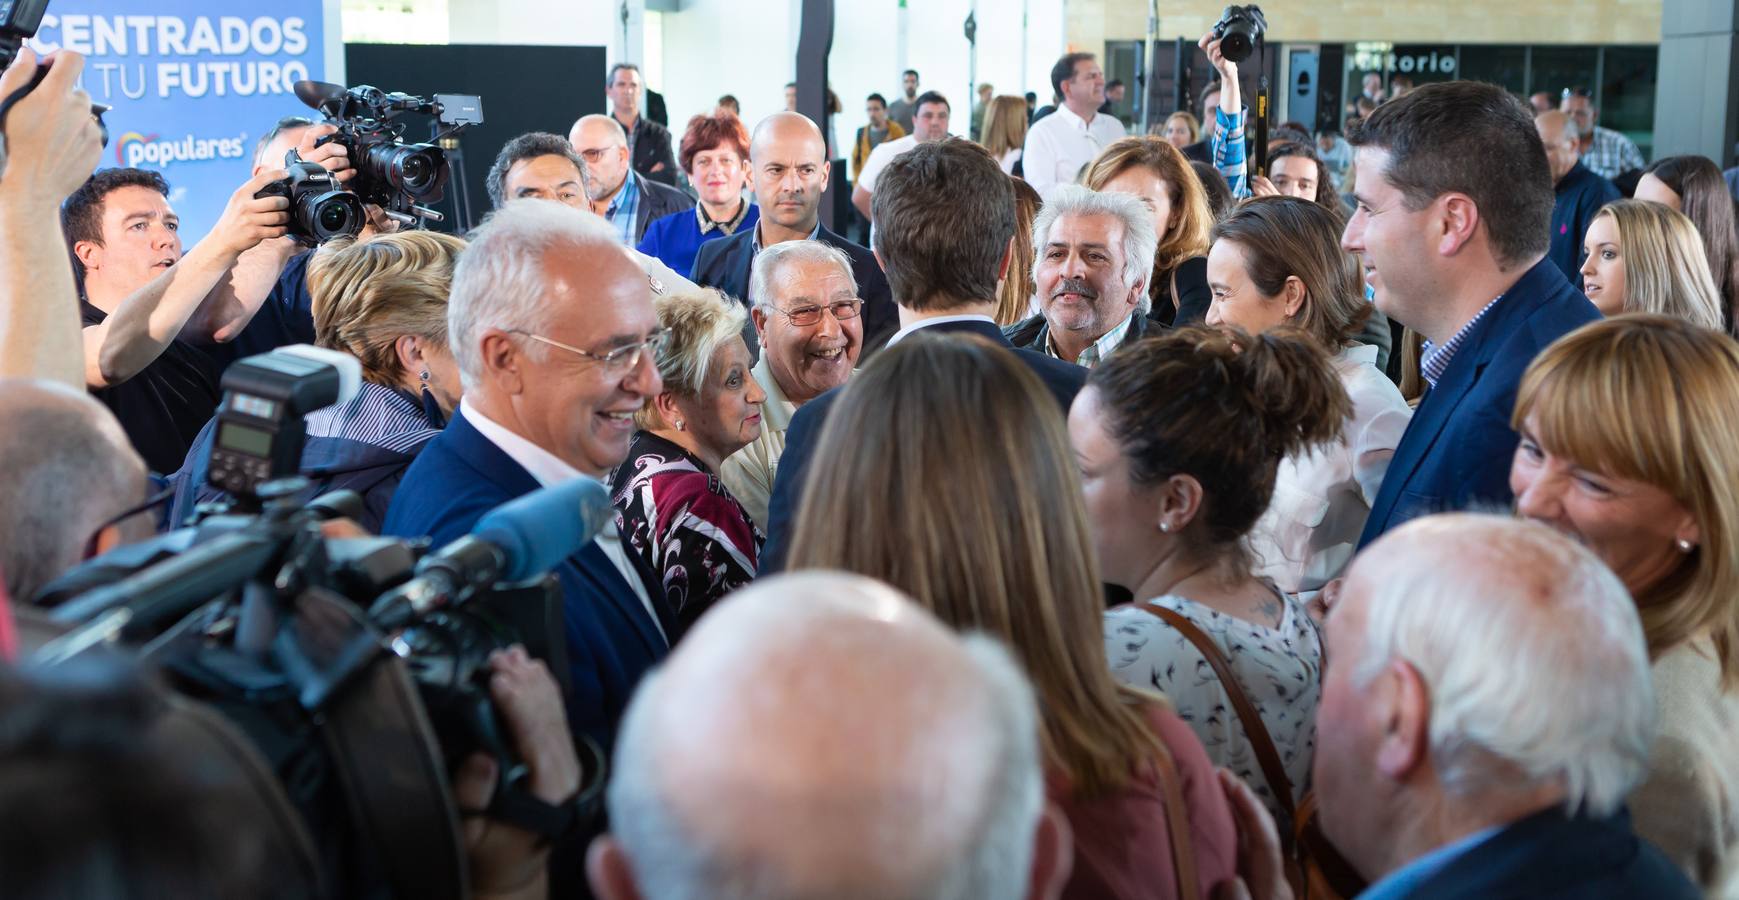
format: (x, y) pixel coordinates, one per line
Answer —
(330, 215)
(333, 217)
(415, 170)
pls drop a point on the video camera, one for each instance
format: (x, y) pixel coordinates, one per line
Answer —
(19, 20)
(400, 178)
(358, 667)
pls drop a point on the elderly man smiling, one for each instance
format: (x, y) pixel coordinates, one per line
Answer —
(807, 316)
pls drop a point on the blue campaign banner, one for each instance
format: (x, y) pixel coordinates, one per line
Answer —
(194, 84)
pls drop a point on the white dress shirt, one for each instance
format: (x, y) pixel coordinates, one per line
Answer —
(879, 158)
(1059, 145)
(548, 469)
(926, 323)
(1323, 496)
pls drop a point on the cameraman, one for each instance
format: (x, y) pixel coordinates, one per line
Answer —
(51, 143)
(140, 297)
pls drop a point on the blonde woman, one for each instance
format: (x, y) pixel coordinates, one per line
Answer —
(1005, 125)
(1181, 129)
(384, 301)
(676, 515)
(1630, 444)
(1156, 172)
(1642, 256)
(985, 527)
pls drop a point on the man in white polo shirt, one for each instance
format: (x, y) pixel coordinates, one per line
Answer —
(1058, 146)
(929, 123)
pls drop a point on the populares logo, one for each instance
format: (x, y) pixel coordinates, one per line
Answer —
(135, 149)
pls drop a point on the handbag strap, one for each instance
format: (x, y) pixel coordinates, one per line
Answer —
(1267, 756)
(1177, 826)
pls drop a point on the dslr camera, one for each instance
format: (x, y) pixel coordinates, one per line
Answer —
(320, 208)
(1238, 30)
(399, 177)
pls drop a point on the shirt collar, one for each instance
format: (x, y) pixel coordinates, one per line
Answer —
(707, 224)
(1069, 116)
(629, 192)
(1434, 360)
(939, 320)
(776, 411)
(1097, 351)
(542, 465)
(814, 234)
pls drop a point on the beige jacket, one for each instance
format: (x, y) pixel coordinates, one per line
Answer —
(1686, 807)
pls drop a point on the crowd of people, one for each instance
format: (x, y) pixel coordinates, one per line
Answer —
(1105, 518)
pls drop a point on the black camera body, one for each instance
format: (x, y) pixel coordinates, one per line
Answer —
(401, 178)
(1238, 30)
(260, 427)
(19, 20)
(320, 208)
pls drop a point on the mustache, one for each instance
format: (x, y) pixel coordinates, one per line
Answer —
(1074, 286)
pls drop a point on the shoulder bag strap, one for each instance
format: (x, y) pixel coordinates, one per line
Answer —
(1177, 825)
(1266, 754)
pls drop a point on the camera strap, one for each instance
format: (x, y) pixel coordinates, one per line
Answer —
(512, 805)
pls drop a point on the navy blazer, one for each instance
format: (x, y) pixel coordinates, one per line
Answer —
(724, 264)
(1456, 452)
(1550, 854)
(1064, 380)
(611, 640)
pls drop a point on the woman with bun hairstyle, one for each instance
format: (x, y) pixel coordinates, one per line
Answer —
(1178, 439)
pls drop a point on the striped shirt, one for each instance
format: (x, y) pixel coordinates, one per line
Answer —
(378, 416)
(1434, 360)
(1096, 352)
(1230, 154)
(625, 209)
(1611, 154)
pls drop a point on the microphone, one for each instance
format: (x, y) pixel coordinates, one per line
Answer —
(517, 541)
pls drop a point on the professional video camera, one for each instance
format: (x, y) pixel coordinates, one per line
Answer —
(1238, 30)
(19, 20)
(358, 667)
(400, 178)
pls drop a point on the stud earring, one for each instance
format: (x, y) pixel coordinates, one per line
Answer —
(678, 424)
(1165, 526)
(1686, 546)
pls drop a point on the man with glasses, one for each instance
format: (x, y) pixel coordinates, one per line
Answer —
(74, 485)
(805, 312)
(1605, 152)
(554, 331)
(624, 197)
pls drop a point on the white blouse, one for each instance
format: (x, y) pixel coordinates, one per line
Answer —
(1322, 497)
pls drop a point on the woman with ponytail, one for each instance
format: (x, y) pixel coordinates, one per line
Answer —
(1178, 439)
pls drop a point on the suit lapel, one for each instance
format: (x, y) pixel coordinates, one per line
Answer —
(612, 588)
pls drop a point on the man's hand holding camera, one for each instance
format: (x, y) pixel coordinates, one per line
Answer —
(247, 219)
(508, 861)
(52, 139)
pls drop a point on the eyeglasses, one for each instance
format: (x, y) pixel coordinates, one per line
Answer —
(1577, 92)
(147, 505)
(804, 316)
(617, 362)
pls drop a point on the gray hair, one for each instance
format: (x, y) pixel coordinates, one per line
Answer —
(1531, 648)
(993, 862)
(771, 261)
(1140, 238)
(528, 146)
(68, 468)
(499, 281)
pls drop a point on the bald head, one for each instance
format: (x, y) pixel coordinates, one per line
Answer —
(1562, 139)
(69, 467)
(882, 754)
(1480, 663)
(790, 171)
(787, 134)
(601, 142)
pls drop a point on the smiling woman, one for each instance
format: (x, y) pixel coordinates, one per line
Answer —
(1630, 443)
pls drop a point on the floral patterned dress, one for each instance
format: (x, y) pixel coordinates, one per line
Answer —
(1280, 670)
(677, 517)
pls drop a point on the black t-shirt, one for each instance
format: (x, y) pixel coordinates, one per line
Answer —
(163, 407)
(287, 317)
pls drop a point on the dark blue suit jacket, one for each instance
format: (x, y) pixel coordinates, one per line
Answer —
(611, 640)
(724, 264)
(1062, 379)
(1550, 854)
(1456, 452)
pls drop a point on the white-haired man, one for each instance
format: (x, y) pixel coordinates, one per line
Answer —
(1485, 710)
(808, 318)
(1092, 257)
(553, 328)
(820, 736)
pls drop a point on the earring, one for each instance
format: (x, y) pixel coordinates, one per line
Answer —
(1165, 526)
(423, 376)
(1686, 546)
(678, 424)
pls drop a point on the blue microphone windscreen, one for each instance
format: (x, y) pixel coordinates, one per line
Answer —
(539, 530)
